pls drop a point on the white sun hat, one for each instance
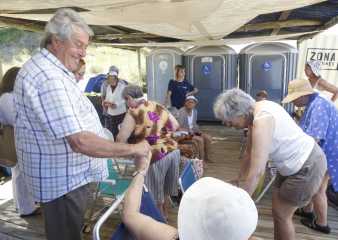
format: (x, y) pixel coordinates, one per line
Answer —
(212, 209)
(315, 67)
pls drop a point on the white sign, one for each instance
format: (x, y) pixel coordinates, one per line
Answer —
(206, 59)
(328, 57)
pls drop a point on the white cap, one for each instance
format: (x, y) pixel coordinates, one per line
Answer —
(113, 73)
(191, 97)
(213, 209)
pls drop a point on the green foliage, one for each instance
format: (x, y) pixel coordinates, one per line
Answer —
(13, 42)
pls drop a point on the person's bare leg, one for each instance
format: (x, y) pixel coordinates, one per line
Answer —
(320, 202)
(282, 213)
(309, 207)
(200, 144)
(207, 145)
(160, 206)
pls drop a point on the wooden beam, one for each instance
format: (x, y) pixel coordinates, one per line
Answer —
(279, 24)
(284, 15)
(22, 24)
(124, 36)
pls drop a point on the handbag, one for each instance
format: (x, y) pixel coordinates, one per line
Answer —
(7, 146)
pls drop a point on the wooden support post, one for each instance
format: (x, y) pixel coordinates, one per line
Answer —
(138, 51)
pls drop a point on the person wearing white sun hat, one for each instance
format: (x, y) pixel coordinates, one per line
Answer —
(312, 71)
(210, 209)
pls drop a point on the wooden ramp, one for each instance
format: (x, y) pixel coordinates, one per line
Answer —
(225, 152)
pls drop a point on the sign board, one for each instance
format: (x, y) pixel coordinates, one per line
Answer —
(328, 57)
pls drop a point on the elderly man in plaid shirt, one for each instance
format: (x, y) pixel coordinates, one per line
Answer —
(58, 134)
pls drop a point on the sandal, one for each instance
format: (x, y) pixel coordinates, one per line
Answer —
(307, 215)
(313, 225)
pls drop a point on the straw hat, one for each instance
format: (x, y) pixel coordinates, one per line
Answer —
(212, 209)
(298, 88)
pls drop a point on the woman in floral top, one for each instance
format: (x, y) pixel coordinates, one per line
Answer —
(151, 121)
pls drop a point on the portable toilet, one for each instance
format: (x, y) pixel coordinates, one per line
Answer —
(161, 64)
(211, 69)
(269, 67)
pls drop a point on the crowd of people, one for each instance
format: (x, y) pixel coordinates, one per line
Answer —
(61, 146)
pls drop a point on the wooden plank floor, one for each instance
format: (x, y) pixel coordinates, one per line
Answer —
(225, 152)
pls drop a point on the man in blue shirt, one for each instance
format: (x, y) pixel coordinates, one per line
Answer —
(179, 88)
(320, 120)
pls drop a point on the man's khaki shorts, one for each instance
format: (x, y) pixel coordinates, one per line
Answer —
(299, 188)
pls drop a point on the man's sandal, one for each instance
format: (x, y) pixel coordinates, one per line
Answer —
(313, 225)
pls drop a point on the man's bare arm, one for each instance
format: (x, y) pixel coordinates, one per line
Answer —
(92, 145)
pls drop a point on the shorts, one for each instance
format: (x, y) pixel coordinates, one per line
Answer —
(299, 188)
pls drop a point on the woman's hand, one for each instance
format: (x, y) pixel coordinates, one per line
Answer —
(107, 104)
(142, 164)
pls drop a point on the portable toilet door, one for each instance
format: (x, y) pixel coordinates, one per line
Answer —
(211, 70)
(161, 64)
(267, 73)
(269, 67)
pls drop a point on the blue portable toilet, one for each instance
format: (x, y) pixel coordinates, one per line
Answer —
(269, 67)
(211, 69)
(161, 64)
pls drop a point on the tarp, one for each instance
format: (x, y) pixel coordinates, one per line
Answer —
(196, 20)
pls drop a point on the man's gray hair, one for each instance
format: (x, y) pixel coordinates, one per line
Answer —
(63, 24)
(132, 91)
(233, 103)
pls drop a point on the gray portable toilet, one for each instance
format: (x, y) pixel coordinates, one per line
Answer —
(211, 69)
(161, 64)
(269, 67)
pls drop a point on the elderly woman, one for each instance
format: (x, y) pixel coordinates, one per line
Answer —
(151, 121)
(204, 212)
(312, 71)
(114, 106)
(187, 118)
(300, 162)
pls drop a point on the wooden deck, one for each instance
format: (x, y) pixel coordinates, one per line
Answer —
(225, 152)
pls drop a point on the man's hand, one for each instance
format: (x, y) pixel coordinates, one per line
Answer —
(141, 149)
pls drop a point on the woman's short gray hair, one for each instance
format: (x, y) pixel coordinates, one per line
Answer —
(63, 24)
(132, 91)
(233, 103)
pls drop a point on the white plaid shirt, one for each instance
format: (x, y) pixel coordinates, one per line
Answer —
(50, 106)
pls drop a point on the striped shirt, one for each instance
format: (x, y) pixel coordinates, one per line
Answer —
(50, 106)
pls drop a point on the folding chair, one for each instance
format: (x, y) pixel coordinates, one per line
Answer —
(188, 176)
(113, 187)
(148, 208)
